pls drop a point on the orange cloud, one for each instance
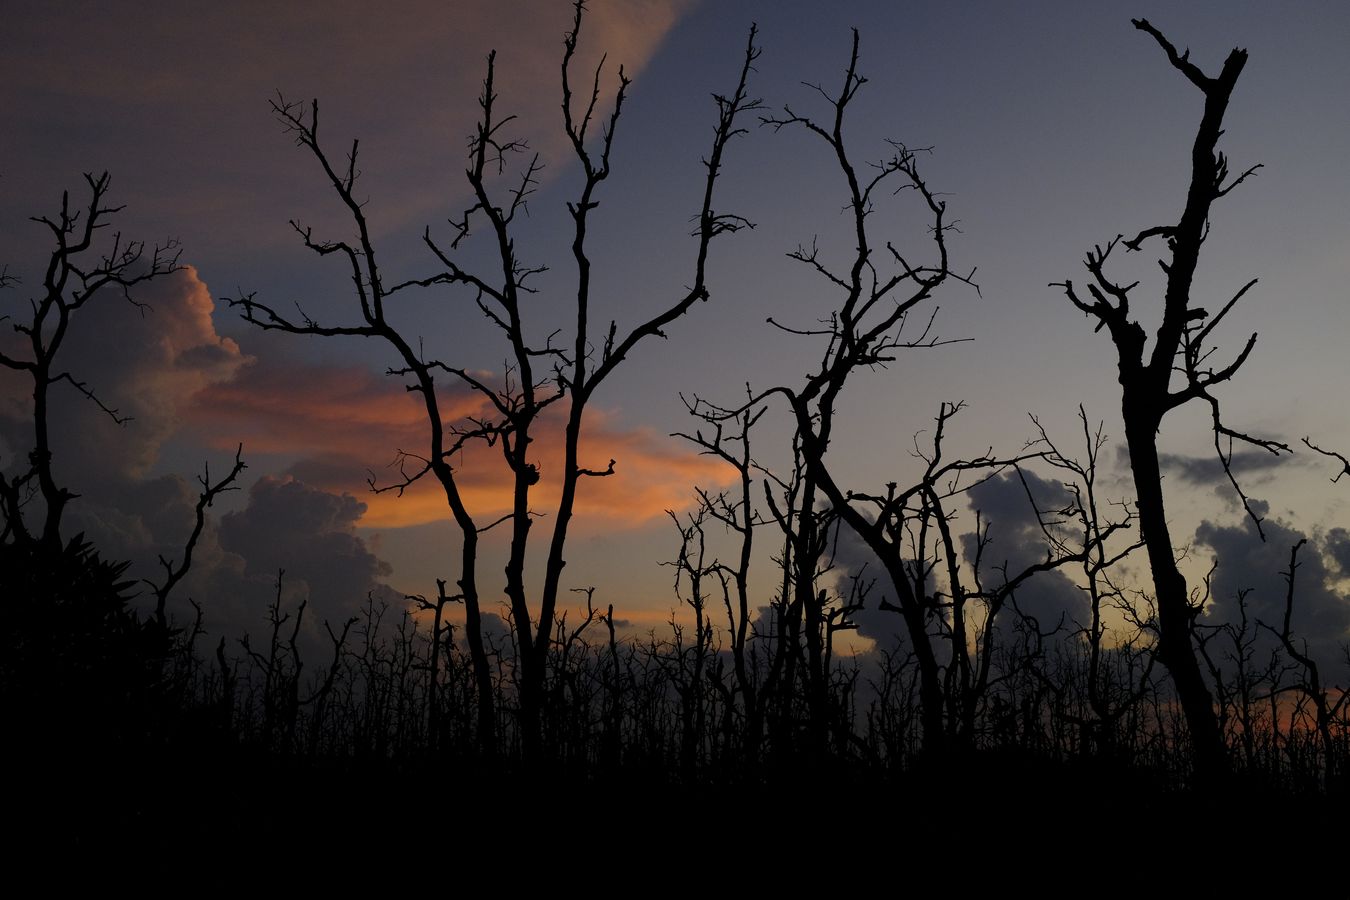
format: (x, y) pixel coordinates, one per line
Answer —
(147, 362)
(289, 407)
(344, 424)
(652, 473)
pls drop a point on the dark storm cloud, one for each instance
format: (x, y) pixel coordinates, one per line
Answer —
(312, 535)
(287, 525)
(854, 559)
(1008, 506)
(148, 363)
(1321, 613)
(152, 363)
(1016, 541)
(1206, 470)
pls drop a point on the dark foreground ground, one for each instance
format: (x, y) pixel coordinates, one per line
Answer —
(224, 815)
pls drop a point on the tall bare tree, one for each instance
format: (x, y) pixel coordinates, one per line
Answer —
(1149, 390)
(77, 273)
(538, 376)
(908, 529)
(865, 330)
(735, 510)
(1312, 684)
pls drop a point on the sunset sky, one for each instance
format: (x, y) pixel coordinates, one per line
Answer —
(1052, 126)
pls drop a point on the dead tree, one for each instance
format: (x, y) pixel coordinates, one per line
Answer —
(914, 531)
(864, 331)
(1311, 685)
(902, 526)
(71, 635)
(1147, 391)
(867, 329)
(1237, 692)
(537, 376)
(693, 569)
(735, 510)
(438, 630)
(174, 572)
(76, 274)
(1108, 700)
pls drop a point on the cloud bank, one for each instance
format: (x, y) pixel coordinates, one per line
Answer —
(151, 363)
(1320, 621)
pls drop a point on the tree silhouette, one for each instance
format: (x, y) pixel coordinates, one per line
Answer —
(1311, 685)
(1147, 395)
(866, 330)
(539, 376)
(69, 633)
(910, 530)
(735, 511)
(87, 683)
(76, 274)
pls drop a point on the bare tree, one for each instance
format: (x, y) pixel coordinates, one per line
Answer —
(693, 570)
(538, 376)
(76, 274)
(866, 330)
(174, 572)
(908, 529)
(1179, 348)
(1311, 685)
(736, 512)
(1331, 454)
(1108, 701)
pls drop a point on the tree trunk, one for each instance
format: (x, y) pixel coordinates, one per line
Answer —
(1175, 613)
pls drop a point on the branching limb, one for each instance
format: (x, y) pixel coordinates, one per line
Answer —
(1181, 62)
(1345, 463)
(173, 574)
(88, 392)
(597, 473)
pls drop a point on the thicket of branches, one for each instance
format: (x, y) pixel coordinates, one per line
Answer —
(670, 707)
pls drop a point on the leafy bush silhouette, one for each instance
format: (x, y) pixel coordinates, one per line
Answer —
(76, 660)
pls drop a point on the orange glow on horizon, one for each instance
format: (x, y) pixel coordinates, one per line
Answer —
(346, 423)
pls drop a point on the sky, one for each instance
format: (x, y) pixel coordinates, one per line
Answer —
(1050, 126)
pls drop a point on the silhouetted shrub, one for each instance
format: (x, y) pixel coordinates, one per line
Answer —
(80, 672)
